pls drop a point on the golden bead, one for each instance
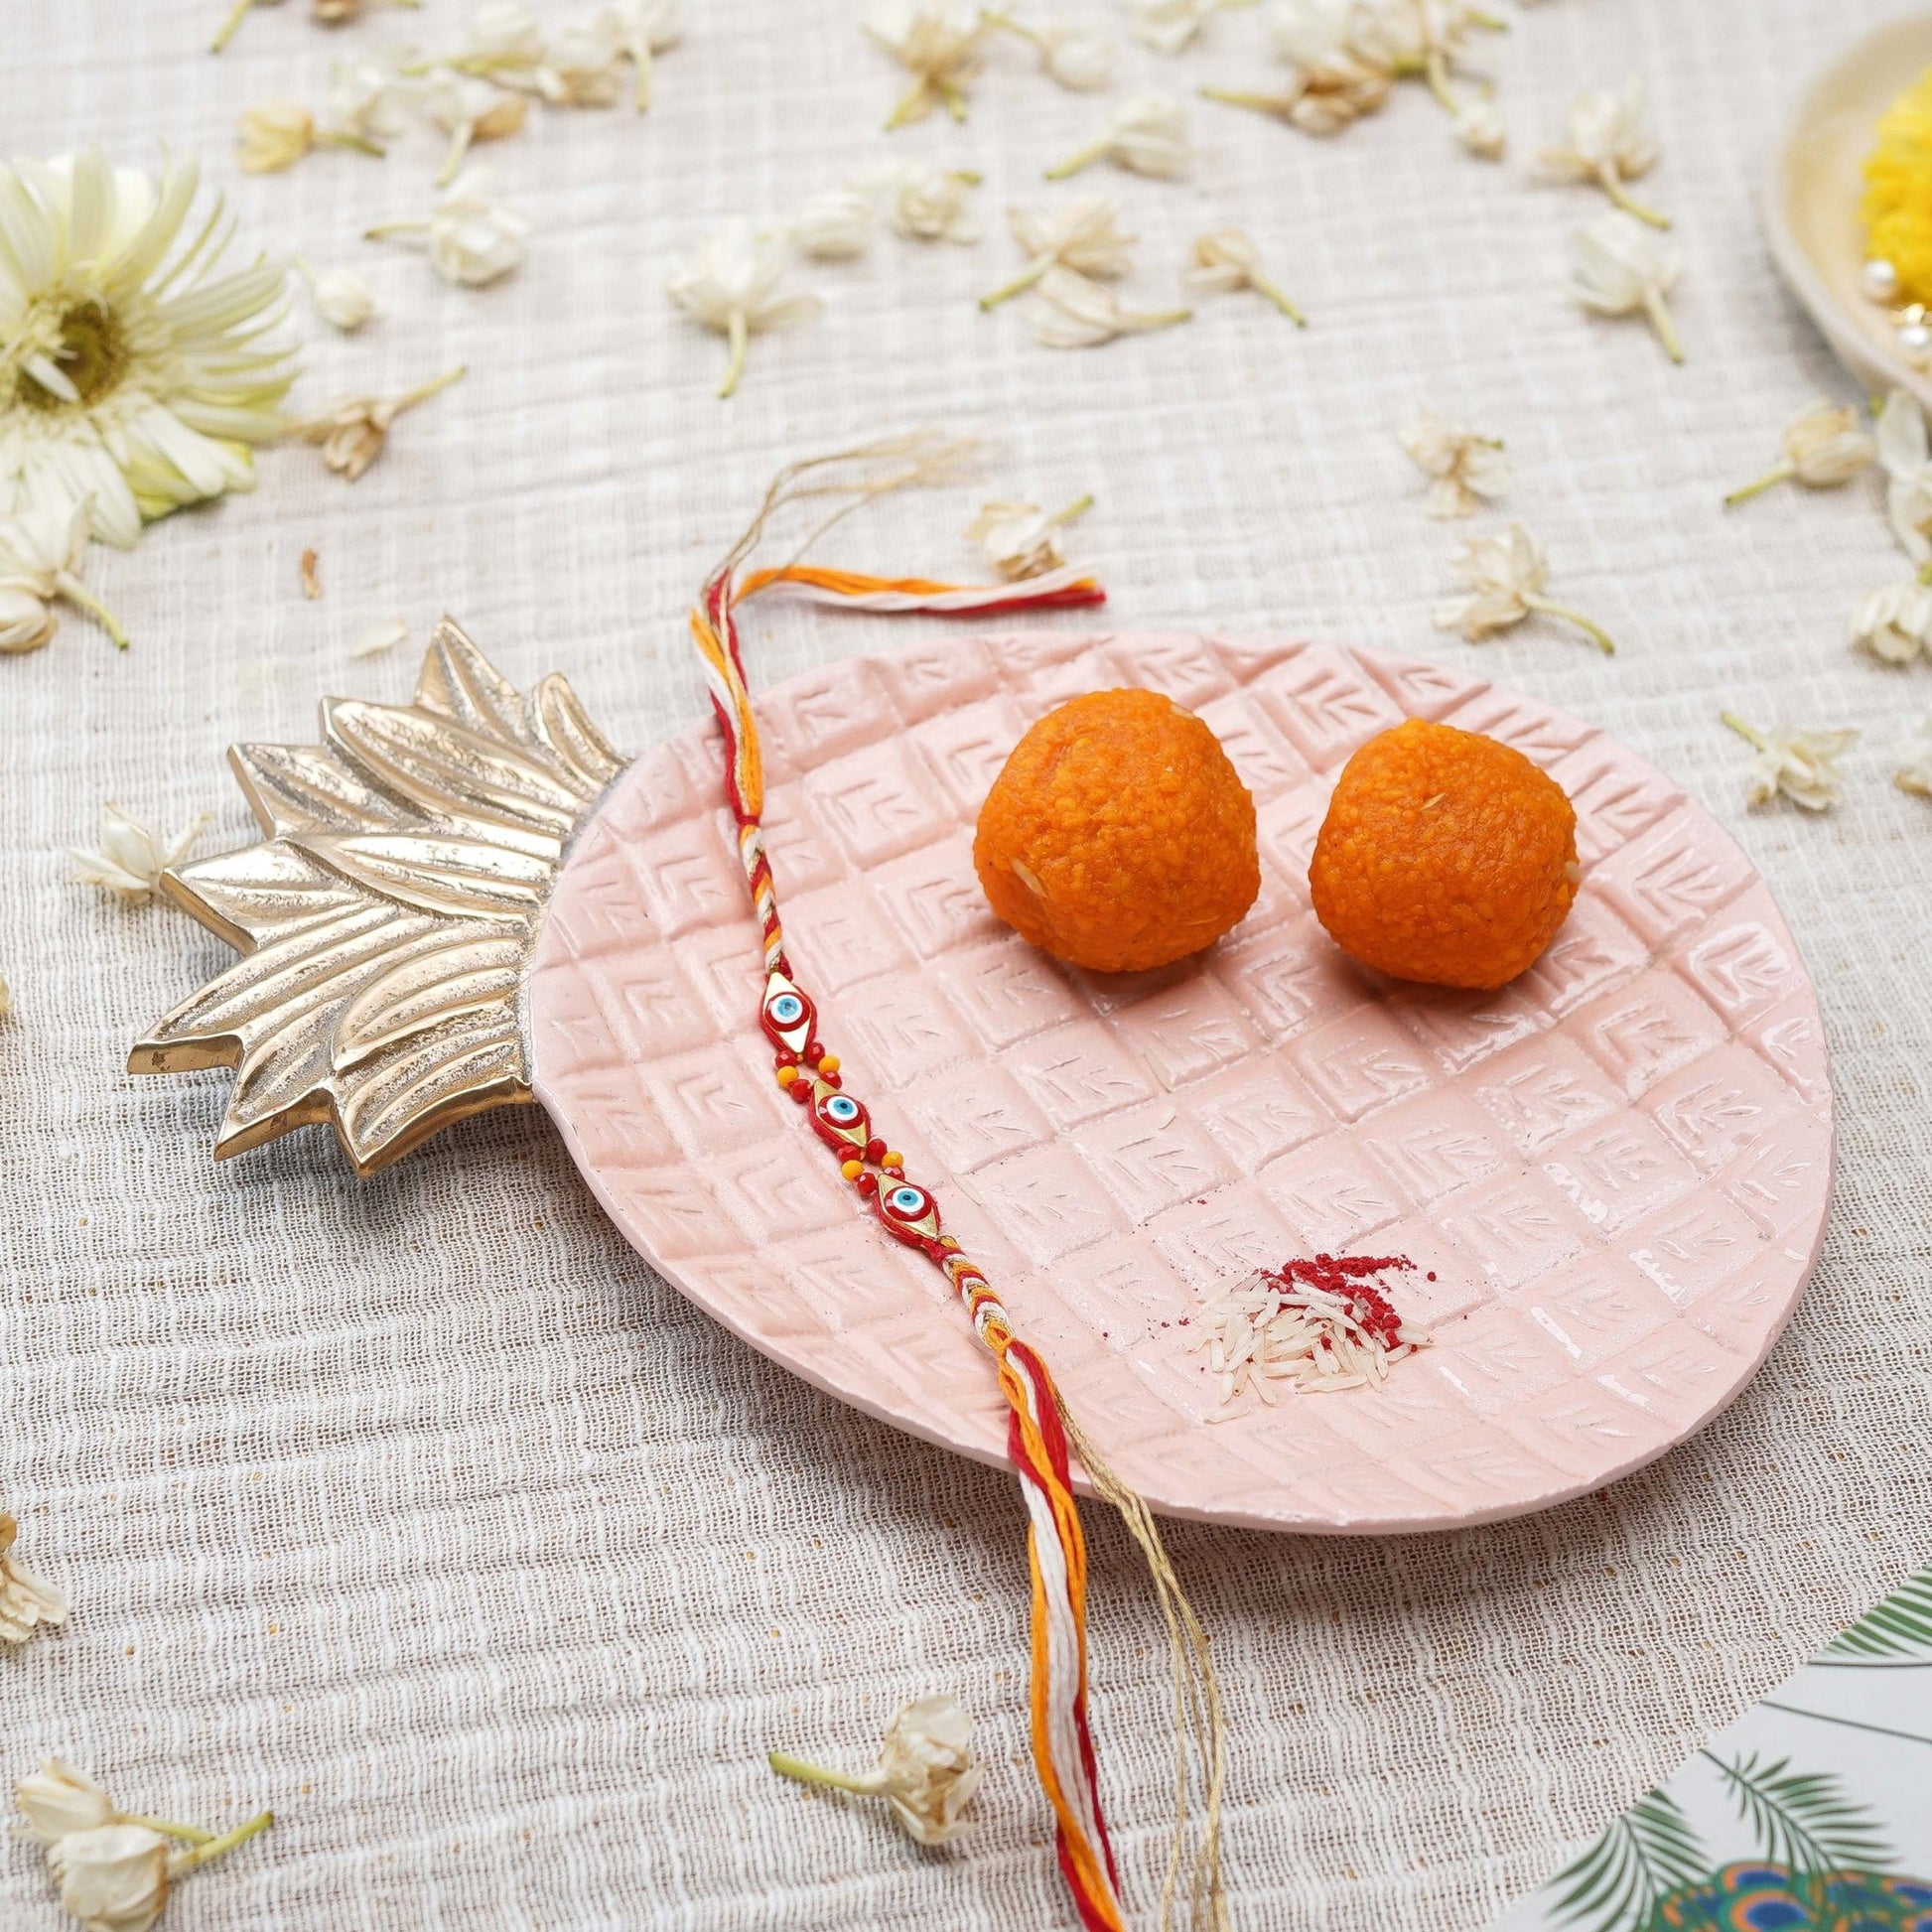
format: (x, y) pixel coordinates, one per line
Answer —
(829, 1064)
(897, 1161)
(786, 1075)
(852, 1169)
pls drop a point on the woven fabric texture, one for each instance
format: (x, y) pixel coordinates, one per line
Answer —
(420, 1509)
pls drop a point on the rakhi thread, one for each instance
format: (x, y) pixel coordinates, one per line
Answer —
(1040, 1429)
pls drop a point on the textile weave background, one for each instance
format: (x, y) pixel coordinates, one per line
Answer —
(420, 1509)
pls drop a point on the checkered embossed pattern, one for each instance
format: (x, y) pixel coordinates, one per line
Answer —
(1618, 1168)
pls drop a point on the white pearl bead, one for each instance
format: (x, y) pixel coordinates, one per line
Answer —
(1880, 280)
(1915, 339)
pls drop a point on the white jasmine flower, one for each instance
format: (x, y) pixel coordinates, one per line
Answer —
(26, 1603)
(732, 284)
(1461, 465)
(131, 859)
(1823, 447)
(57, 1799)
(1227, 261)
(42, 551)
(342, 297)
(366, 104)
(925, 203)
(472, 239)
(1083, 235)
(468, 110)
(927, 1771)
(580, 66)
(6, 1001)
(502, 42)
(1907, 463)
(338, 13)
(352, 431)
(130, 371)
(273, 137)
(937, 42)
(379, 638)
(1021, 540)
(234, 18)
(1082, 314)
(1167, 26)
(1147, 134)
(26, 622)
(1894, 623)
(1343, 65)
(1505, 574)
(1916, 775)
(1803, 765)
(1620, 267)
(1078, 58)
(834, 225)
(1607, 144)
(1480, 127)
(644, 29)
(112, 1878)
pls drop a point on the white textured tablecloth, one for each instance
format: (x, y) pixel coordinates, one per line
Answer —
(420, 1509)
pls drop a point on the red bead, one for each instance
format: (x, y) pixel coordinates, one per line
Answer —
(874, 1148)
(867, 1183)
(801, 1091)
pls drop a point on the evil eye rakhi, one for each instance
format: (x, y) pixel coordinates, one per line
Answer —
(1040, 1429)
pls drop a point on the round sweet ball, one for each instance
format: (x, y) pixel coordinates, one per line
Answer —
(1118, 836)
(1445, 857)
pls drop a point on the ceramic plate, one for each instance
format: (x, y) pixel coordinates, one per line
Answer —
(1616, 1169)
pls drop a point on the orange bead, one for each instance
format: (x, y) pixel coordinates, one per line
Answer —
(786, 1075)
(829, 1064)
(852, 1169)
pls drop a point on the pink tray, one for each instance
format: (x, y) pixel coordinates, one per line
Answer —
(1618, 1168)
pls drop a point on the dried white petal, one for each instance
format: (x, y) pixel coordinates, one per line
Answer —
(130, 858)
(379, 638)
(1914, 773)
(927, 1771)
(57, 1799)
(1147, 134)
(1021, 540)
(1077, 313)
(1462, 466)
(1904, 457)
(112, 1878)
(1800, 766)
(734, 283)
(1894, 623)
(26, 1603)
(354, 431)
(834, 225)
(1504, 575)
(1620, 267)
(937, 42)
(342, 298)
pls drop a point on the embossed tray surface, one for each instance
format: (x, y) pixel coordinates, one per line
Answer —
(1618, 1168)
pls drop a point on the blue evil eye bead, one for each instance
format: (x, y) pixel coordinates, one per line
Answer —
(909, 1212)
(786, 1016)
(841, 1122)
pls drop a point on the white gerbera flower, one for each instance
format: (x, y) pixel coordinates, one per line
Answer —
(1823, 447)
(937, 42)
(1607, 144)
(1084, 235)
(1461, 465)
(1907, 463)
(1802, 766)
(471, 238)
(732, 284)
(1147, 134)
(130, 858)
(1620, 267)
(1504, 577)
(131, 372)
(1077, 313)
(42, 551)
